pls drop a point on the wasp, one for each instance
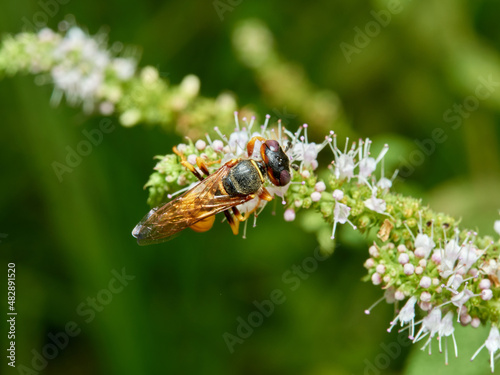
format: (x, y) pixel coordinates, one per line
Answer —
(236, 182)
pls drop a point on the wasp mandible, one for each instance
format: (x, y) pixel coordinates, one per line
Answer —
(236, 182)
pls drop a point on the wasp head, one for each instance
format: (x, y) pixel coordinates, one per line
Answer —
(277, 163)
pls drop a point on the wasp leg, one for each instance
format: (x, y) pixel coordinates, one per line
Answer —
(265, 195)
(202, 165)
(251, 144)
(233, 221)
(190, 167)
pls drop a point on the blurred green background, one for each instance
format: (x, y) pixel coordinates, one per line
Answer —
(67, 238)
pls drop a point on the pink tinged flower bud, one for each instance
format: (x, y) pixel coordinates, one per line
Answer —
(369, 263)
(399, 295)
(390, 245)
(298, 203)
(409, 269)
(436, 257)
(426, 306)
(181, 147)
(316, 196)
(485, 284)
(320, 186)
(402, 248)
(380, 269)
(420, 252)
(387, 279)
(475, 322)
(376, 279)
(403, 258)
(473, 272)
(425, 282)
(419, 270)
(200, 144)
(192, 159)
(422, 263)
(218, 145)
(181, 180)
(486, 294)
(289, 214)
(435, 281)
(465, 319)
(338, 194)
(373, 251)
(425, 297)
(305, 174)
(226, 149)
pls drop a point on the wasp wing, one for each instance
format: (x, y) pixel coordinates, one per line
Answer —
(198, 203)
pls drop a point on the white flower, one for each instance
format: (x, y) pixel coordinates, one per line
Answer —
(461, 298)
(449, 256)
(424, 245)
(447, 329)
(430, 326)
(340, 215)
(406, 315)
(367, 164)
(496, 226)
(238, 143)
(344, 161)
(492, 343)
(81, 65)
(303, 150)
(376, 204)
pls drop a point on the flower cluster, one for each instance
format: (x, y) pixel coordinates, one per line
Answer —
(103, 80)
(450, 277)
(80, 66)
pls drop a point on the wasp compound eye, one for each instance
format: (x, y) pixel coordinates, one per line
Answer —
(284, 178)
(273, 146)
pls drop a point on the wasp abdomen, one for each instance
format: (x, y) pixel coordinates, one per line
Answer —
(244, 178)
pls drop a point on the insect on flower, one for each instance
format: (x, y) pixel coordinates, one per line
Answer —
(238, 181)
